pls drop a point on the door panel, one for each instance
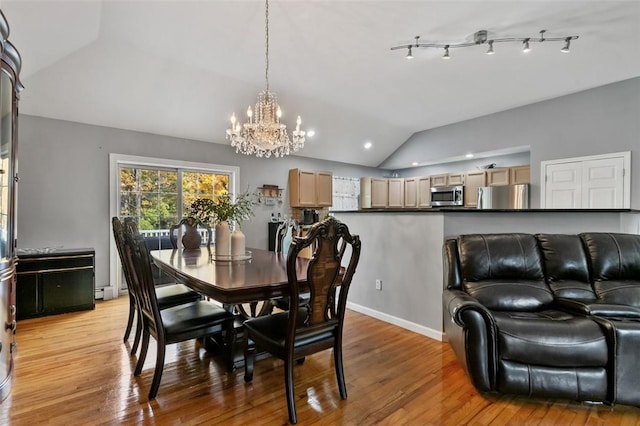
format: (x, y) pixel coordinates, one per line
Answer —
(564, 186)
(603, 183)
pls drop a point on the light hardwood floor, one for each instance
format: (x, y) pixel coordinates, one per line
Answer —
(73, 369)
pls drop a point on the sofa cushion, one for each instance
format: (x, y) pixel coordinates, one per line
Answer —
(614, 260)
(551, 338)
(504, 271)
(566, 266)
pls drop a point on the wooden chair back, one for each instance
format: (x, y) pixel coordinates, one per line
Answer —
(325, 273)
(144, 286)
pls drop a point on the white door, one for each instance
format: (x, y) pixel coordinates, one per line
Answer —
(602, 182)
(563, 185)
(594, 182)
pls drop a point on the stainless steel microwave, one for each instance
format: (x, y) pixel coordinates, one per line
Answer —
(447, 196)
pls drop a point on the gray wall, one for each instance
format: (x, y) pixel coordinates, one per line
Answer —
(63, 193)
(597, 121)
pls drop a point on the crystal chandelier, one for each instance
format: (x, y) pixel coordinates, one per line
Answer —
(264, 134)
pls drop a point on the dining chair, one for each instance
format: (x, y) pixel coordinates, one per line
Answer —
(168, 295)
(306, 329)
(171, 325)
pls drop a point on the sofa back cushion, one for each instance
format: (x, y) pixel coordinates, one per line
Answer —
(566, 266)
(504, 271)
(614, 260)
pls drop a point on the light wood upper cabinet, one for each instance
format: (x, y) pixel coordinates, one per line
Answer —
(447, 179)
(498, 176)
(454, 179)
(324, 189)
(439, 180)
(379, 192)
(411, 192)
(396, 192)
(473, 181)
(310, 189)
(519, 175)
(424, 191)
(374, 192)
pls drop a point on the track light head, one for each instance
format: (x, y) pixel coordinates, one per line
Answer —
(565, 49)
(526, 48)
(446, 52)
(490, 51)
(409, 54)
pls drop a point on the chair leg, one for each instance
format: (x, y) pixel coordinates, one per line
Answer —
(143, 353)
(136, 338)
(132, 310)
(157, 374)
(337, 359)
(249, 355)
(290, 390)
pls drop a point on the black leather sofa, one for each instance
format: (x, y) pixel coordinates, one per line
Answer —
(546, 315)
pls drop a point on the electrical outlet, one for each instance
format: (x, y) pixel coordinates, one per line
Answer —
(378, 284)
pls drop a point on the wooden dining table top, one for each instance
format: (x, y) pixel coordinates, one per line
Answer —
(262, 277)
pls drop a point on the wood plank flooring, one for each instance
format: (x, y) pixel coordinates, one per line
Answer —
(73, 369)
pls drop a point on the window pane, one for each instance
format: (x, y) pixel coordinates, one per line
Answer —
(168, 181)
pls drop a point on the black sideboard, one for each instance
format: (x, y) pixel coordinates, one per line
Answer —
(54, 281)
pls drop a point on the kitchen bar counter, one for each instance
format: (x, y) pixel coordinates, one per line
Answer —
(474, 210)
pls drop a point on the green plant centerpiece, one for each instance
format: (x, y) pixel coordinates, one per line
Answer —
(223, 209)
(219, 213)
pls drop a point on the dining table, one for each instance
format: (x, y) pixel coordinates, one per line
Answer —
(261, 276)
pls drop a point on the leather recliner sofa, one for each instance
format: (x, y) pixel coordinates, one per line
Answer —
(546, 315)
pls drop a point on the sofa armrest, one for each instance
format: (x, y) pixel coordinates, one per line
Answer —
(471, 331)
(590, 307)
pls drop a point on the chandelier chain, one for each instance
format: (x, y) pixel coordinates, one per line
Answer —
(266, 56)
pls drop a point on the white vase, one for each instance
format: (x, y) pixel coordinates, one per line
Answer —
(237, 242)
(223, 238)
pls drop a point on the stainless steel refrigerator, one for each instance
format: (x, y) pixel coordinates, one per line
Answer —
(510, 197)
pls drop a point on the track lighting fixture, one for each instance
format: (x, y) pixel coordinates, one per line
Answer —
(482, 37)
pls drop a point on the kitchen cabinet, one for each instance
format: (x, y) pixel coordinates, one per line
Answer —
(53, 282)
(395, 197)
(411, 192)
(498, 176)
(374, 192)
(424, 191)
(439, 180)
(455, 179)
(447, 179)
(310, 189)
(519, 175)
(473, 181)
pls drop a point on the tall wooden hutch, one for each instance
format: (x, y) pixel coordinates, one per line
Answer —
(10, 88)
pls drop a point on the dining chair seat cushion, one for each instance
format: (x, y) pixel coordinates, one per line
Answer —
(175, 294)
(272, 330)
(195, 317)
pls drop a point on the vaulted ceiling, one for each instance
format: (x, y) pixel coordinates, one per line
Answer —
(180, 68)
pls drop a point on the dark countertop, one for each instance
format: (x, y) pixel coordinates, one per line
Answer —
(472, 210)
(25, 253)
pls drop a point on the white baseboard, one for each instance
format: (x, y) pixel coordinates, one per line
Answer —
(417, 328)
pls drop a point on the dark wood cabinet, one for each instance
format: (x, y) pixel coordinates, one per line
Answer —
(55, 282)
